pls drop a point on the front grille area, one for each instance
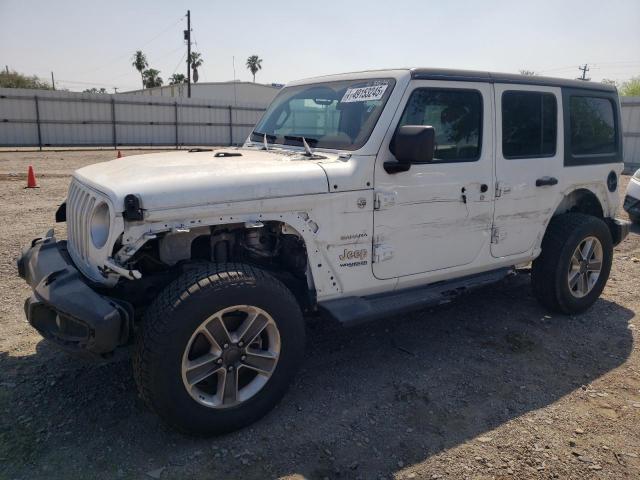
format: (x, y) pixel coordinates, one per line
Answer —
(80, 203)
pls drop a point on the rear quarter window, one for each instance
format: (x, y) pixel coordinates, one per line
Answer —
(592, 126)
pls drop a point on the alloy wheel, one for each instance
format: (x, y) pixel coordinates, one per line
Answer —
(231, 356)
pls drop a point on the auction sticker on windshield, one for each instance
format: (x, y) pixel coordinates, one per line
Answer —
(364, 94)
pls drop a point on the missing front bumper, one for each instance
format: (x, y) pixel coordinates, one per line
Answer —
(63, 307)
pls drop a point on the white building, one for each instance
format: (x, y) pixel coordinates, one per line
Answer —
(228, 93)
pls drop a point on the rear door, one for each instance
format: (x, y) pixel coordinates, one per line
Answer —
(437, 215)
(529, 163)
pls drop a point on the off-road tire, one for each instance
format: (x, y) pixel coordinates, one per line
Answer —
(173, 317)
(549, 271)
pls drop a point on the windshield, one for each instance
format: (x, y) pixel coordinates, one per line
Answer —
(336, 115)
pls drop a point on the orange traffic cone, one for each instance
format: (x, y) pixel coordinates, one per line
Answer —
(31, 179)
(119, 154)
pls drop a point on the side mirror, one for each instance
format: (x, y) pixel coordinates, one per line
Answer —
(411, 144)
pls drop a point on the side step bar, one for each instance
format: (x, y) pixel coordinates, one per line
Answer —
(356, 310)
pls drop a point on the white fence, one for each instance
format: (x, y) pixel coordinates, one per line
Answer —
(631, 132)
(40, 118)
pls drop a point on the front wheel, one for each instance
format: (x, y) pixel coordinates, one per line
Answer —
(573, 268)
(218, 348)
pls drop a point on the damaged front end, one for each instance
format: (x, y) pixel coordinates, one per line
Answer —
(64, 308)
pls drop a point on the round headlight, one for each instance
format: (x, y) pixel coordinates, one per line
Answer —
(100, 224)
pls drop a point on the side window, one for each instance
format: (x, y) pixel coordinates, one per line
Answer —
(529, 124)
(593, 129)
(456, 116)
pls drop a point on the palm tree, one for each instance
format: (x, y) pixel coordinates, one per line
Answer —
(196, 61)
(140, 63)
(254, 63)
(177, 78)
(152, 78)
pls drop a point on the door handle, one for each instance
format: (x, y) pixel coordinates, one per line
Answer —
(546, 181)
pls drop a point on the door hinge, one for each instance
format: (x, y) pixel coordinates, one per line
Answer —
(382, 252)
(502, 188)
(384, 200)
(497, 235)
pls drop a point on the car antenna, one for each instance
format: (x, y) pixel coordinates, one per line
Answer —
(264, 142)
(307, 148)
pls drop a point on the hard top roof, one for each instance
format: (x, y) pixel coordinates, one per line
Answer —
(492, 77)
(461, 76)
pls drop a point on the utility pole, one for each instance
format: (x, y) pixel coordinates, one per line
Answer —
(584, 70)
(187, 37)
(6, 67)
(115, 89)
(53, 81)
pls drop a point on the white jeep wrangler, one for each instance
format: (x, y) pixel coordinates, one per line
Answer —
(362, 195)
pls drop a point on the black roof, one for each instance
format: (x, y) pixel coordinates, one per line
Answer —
(491, 77)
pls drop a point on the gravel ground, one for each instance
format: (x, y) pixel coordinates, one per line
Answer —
(492, 386)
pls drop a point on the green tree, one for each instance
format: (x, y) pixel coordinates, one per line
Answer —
(177, 78)
(196, 61)
(631, 88)
(14, 79)
(95, 90)
(151, 78)
(254, 63)
(140, 64)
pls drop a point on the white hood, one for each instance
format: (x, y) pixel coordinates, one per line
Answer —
(181, 178)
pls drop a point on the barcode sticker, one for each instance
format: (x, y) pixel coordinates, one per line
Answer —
(364, 94)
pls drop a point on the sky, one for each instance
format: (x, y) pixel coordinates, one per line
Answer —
(90, 43)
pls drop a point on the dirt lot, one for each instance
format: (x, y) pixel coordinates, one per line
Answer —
(490, 387)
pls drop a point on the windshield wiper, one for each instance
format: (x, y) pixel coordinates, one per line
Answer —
(271, 138)
(265, 137)
(305, 143)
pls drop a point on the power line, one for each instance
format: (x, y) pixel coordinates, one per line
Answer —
(179, 62)
(117, 59)
(571, 67)
(77, 82)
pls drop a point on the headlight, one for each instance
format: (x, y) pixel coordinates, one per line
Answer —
(100, 224)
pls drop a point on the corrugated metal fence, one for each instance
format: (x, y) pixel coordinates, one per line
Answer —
(40, 118)
(631, 132)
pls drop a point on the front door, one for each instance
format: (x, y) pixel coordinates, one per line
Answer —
(529, 164)
(437, 215)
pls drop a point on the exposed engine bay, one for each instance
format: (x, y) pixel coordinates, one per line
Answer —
(270, 245)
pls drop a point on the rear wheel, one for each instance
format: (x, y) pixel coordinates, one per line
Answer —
(573, 268)
(218, 348)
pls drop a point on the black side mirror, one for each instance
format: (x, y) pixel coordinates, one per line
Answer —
(411, 144)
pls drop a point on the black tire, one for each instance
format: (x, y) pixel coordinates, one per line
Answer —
(173, 318)
(550, 270)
